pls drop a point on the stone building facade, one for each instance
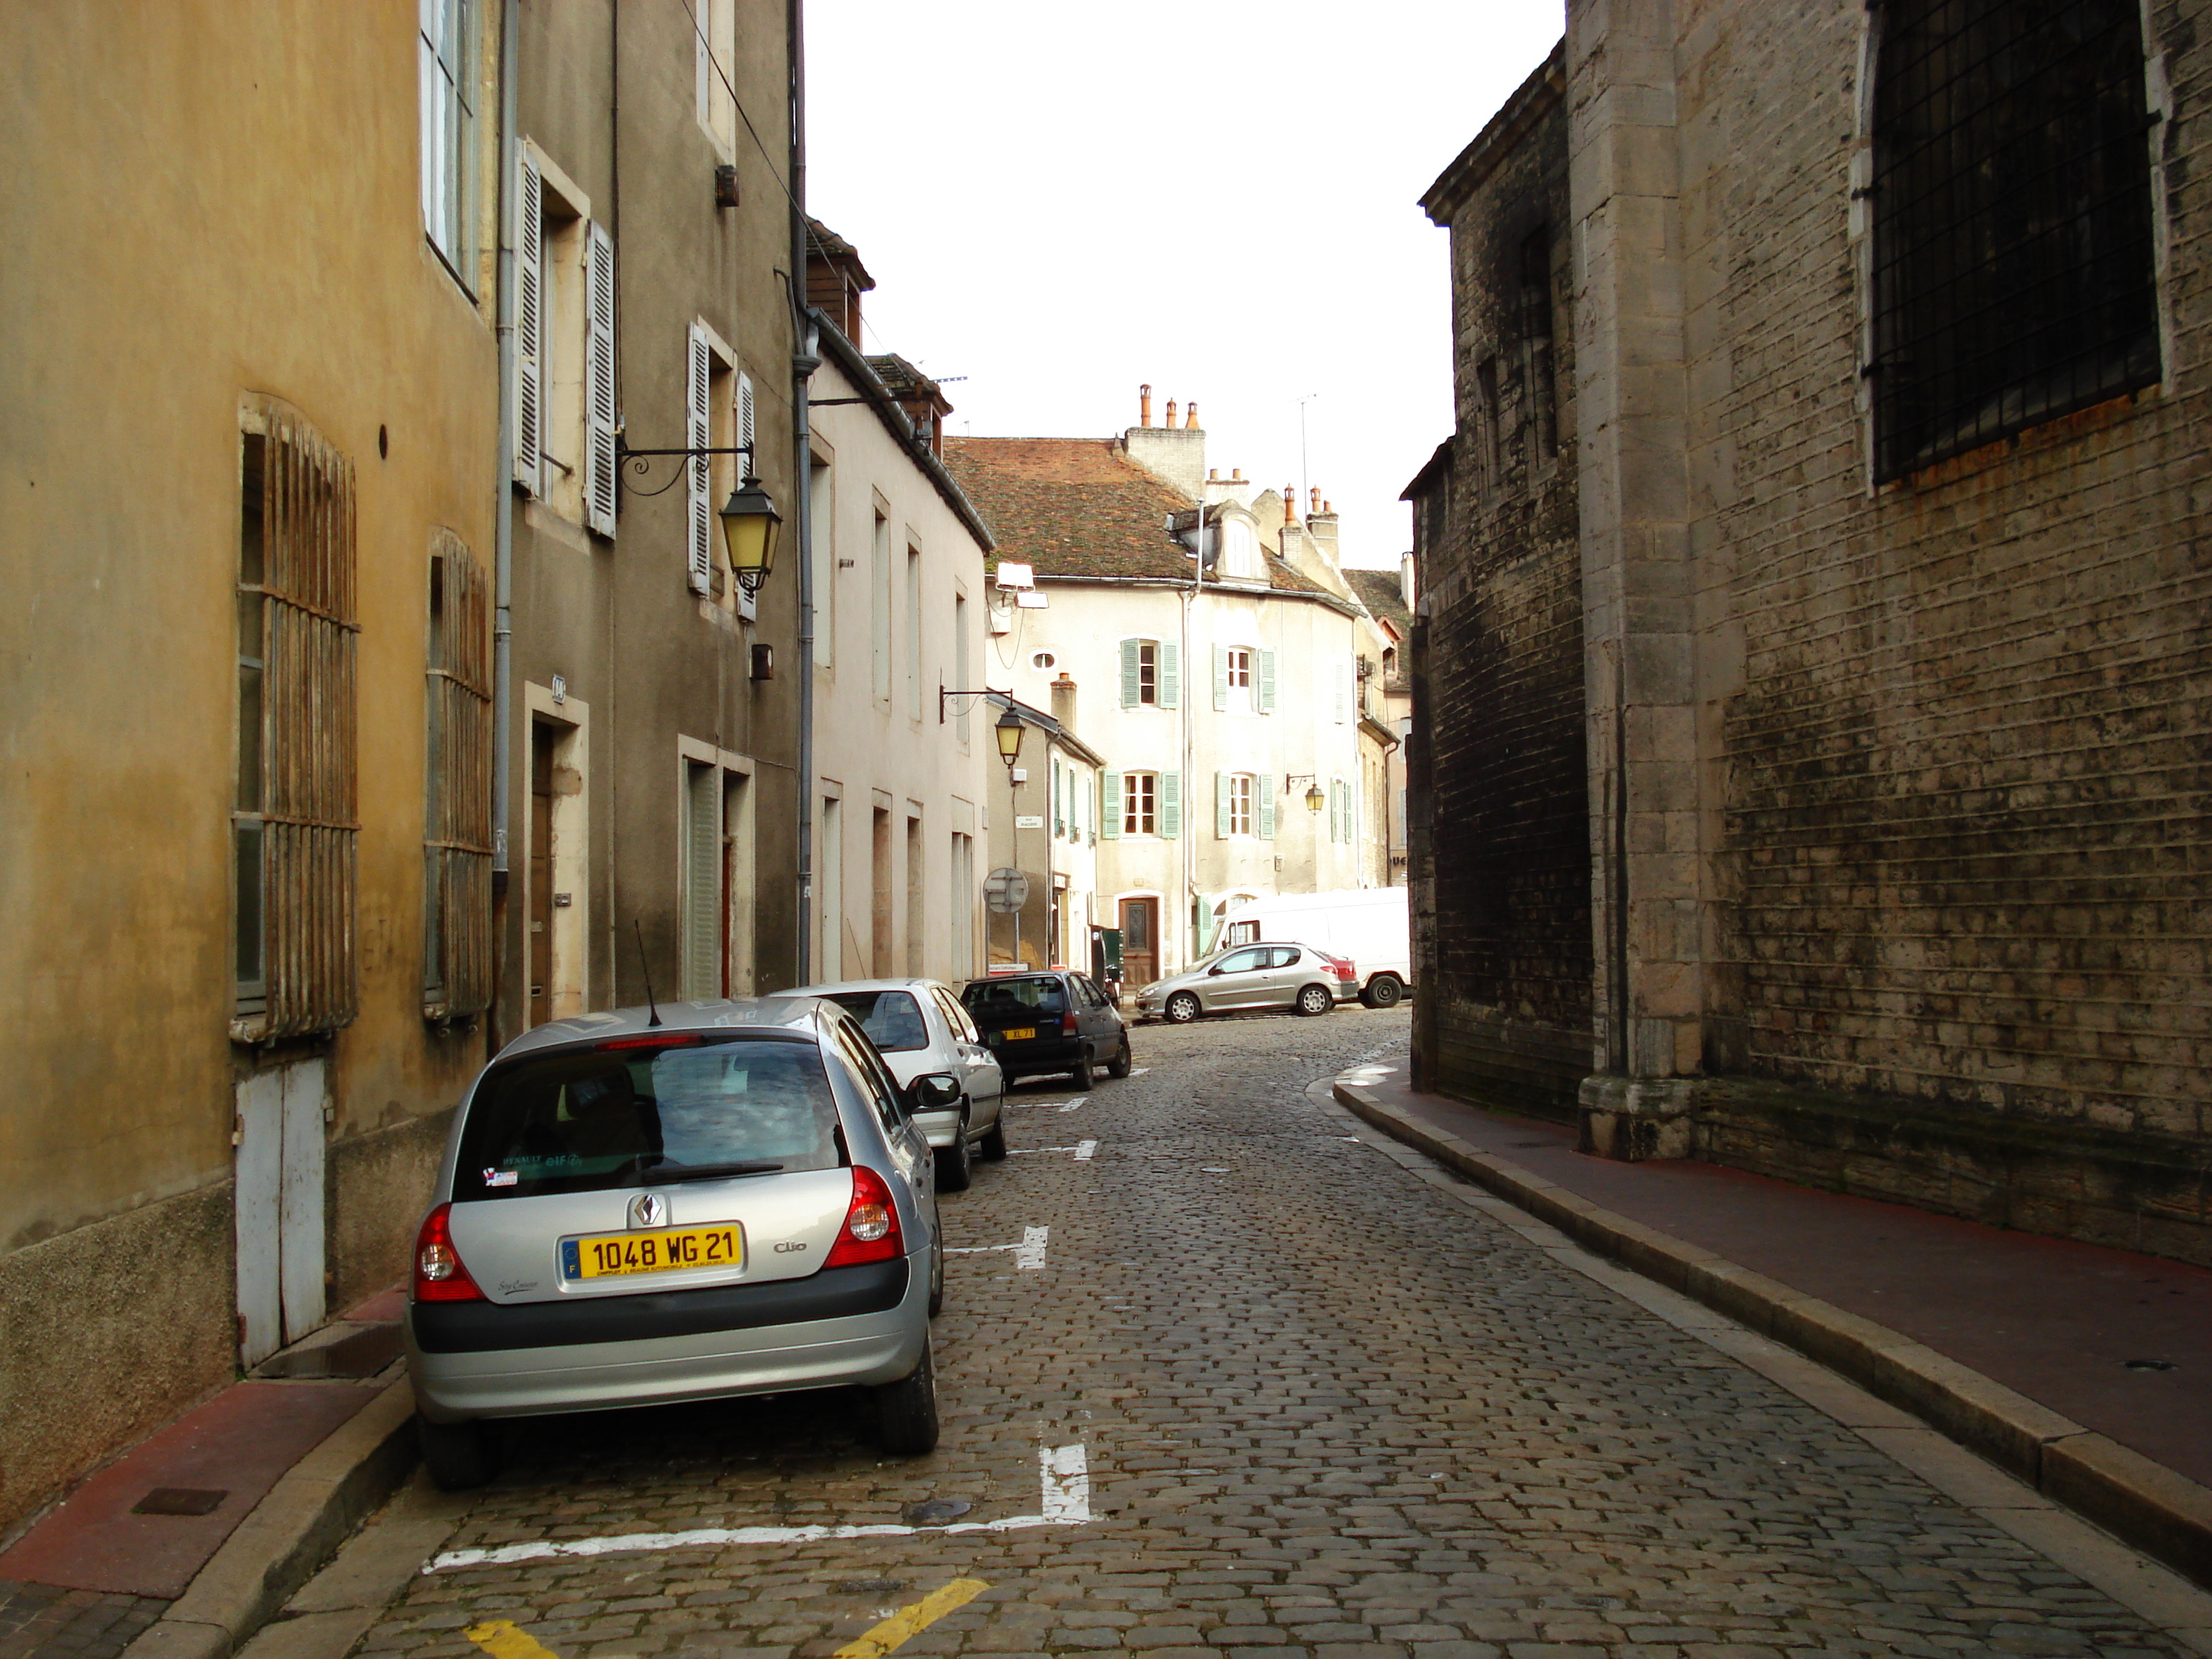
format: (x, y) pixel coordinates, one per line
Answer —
(1889, 490)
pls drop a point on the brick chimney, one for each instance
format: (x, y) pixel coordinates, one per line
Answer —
(835, 278)
(1144, 406)
(1063, 701)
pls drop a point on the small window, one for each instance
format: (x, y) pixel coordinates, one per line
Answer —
(1043, 659)
(1240, 670)
(1240, 804)
(446, 46)
(1140, 804)
(892, 1020)
(1148, 671)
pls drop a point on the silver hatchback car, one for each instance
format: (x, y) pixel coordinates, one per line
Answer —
(723, 1199)
(919, 1026)
(1269, 975)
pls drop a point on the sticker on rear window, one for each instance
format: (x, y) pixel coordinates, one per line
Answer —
(501, 1177)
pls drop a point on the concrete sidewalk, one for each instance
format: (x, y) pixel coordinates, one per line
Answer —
(188, 1541)
(2085, 1372)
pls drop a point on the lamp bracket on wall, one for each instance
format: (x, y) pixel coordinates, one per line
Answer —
(639, 462)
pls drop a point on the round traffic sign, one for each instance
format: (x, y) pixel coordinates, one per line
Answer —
(1005, 890)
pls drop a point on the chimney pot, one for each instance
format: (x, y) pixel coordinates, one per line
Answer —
(1290, 503)
(1191, 420)
(1171, 410)
(1144, 406)
(1328, 507)
(1237, 475)
(1213, 474)
(1315, 498)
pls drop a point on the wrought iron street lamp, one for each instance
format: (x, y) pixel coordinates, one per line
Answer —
(750, 522)
(1009, 728)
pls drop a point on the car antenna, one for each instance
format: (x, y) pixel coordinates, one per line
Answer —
(646, 968)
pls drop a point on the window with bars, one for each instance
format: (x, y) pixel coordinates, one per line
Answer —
(296, 819)
(457, 936)
(2013, 276)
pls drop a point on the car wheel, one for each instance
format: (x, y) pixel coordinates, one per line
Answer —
(1382, 992)
(1119, 1066)
(952, 1175)
(937, 1273)
(993, 1146)
(1082, 1073)
(906, 1410)
(1182, 1009)
(1314, 999)
(459, 1455)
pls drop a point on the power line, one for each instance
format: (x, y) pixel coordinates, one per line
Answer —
(736, 103)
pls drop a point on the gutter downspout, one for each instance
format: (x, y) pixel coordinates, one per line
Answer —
(503, 630)
(804, 362)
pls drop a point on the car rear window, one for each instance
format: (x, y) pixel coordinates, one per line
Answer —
(635, 1117)
(997, 1000)
(892, 1020)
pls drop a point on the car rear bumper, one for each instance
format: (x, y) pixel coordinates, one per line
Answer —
(1039, 1055)
(863, 1325)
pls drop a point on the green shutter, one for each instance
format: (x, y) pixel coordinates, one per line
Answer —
(1129, 672)
(1265, 784)
(1171, 804)
(1220, 678)
(1267, 682)
(1221, 807)
(1170, 674)
(1110, 823)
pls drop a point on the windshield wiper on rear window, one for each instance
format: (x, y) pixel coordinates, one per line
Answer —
(666, 1171)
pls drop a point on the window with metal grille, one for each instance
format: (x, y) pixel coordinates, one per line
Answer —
(457, 938)
(2013, 277)
(295, 821)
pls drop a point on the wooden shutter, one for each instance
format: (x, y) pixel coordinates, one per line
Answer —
(1221, 787)
(698, 429)
(748, 467)
(1267, 682)
(1110, 823)
(600, 480)
(1220, 677)
(1264, 786)
(457, 854)
(1170, 807)
(530, 327)
(1170, 674)
(1130, 671)
(702, 886)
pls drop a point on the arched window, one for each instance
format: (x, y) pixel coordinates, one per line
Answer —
(2013, 277)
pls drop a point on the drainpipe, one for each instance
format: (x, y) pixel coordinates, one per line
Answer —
(804, 362)
(502, 630)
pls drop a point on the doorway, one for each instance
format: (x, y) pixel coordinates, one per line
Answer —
(1140, 932)
(279, 1207)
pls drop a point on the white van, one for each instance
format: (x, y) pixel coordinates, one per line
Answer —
(1367, 924)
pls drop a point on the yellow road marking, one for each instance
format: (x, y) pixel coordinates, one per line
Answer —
(503, 1638)
(906, 1622)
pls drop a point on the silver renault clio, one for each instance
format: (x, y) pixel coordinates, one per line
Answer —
(638, 1208)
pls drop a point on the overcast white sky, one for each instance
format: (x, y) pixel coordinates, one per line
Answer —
(1061, 202)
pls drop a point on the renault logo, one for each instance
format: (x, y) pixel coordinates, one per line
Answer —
(648, 1209)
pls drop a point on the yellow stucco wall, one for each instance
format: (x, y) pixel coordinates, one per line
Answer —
(204, 201)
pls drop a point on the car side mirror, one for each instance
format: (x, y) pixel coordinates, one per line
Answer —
(1215, 973)
(932, 1092)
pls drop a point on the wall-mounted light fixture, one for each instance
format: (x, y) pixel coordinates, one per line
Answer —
(1315, 799)
(750, 522)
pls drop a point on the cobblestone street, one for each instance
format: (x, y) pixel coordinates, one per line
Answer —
(1327, 1409)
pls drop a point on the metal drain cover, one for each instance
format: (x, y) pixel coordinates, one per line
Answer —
(935, 1512)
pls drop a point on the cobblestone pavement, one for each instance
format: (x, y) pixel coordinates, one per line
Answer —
(1328, 1412)
(67, 1624)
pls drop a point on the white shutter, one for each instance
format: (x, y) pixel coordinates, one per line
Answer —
(1220, 677)
(1267, 682)
(1265, 784)
(1170, 674)
(1109, 821)
(698, 428)
(748, 467)
(600, 483)
(702, 883)
(530, 326)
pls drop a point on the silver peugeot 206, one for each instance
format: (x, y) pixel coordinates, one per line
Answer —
(718, 1199)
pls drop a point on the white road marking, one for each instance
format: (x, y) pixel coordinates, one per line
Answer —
(1075, 1102)
(1029, 1252)
(1084, 1149)
(1139, 1070)
(1064, 1500)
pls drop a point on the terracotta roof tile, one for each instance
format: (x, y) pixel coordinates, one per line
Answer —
(1070, 506)
(1378, 591)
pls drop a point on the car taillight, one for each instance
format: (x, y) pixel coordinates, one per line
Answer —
(871, 1232)
(439, 1275)
(1067, 1023)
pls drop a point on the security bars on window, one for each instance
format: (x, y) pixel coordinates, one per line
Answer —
(457, 854)
(296, 819)
(2013, 279)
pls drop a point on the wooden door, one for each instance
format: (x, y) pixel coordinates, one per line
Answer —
(1140, 932)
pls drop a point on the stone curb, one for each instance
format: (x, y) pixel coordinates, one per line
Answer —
(2166, 1515)
(288, 1534)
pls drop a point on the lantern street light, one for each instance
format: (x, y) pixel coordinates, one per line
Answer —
(1314, 798)
(1010, 729)
(750, 524)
